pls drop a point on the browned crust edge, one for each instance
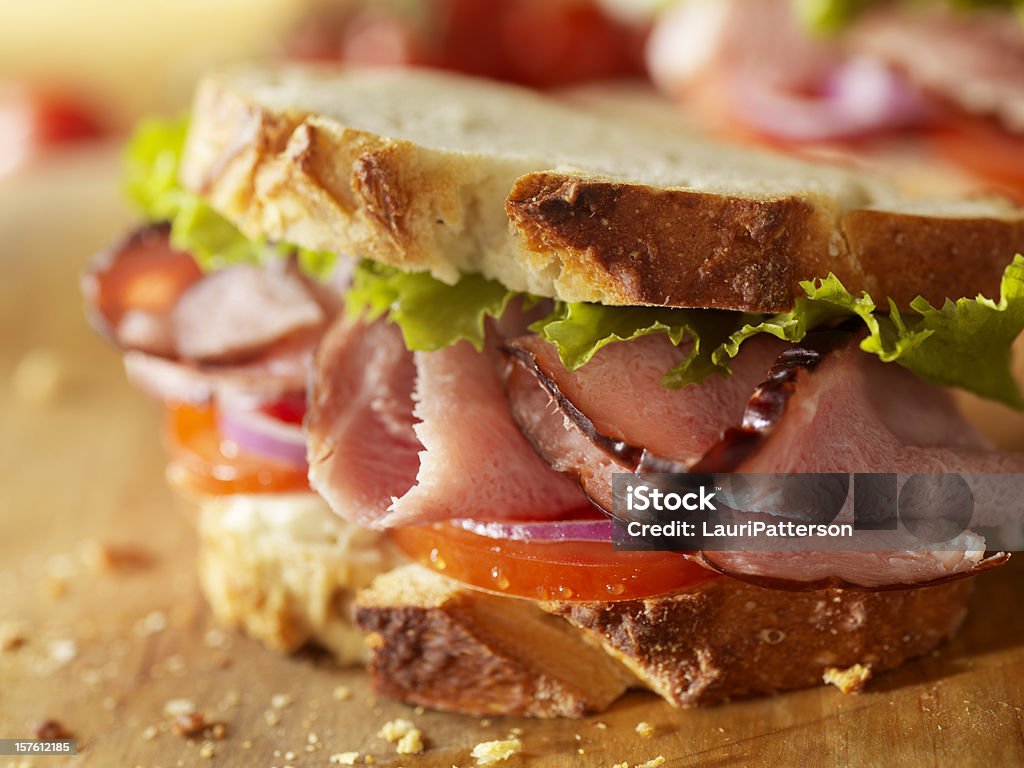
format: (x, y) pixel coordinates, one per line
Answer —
(729, 639)
(301, 178)
(722, 640)
(481, 654)
(691, 249)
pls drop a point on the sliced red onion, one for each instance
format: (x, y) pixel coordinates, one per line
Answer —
(558, 530)
(861, 96)
(256, 433)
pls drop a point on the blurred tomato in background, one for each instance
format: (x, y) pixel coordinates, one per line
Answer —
(538, 43)
(73, 71)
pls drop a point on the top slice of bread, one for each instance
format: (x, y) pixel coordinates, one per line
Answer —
(429, 171)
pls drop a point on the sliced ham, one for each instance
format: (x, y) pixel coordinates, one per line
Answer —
(963, 556)
(615, 408)
(237, 312)
(857, 414)
(243, 330)
(752, 62)
(843, 411)
(560, 440)
(974, 60)
(397, 438)
(620, 391)
(131, 288)
(362, 450)
(283, 369)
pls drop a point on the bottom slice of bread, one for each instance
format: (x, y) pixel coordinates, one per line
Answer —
(436, 643)
(289, 572)
(286, 569)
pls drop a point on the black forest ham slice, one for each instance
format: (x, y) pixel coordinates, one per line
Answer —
(397, 438)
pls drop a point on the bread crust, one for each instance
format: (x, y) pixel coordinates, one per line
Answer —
(306, 178)
(434, 643)
(262, 571)
(728, 639)
(721, 640)
(640, 245)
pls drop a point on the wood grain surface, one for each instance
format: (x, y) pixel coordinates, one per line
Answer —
(106, 645)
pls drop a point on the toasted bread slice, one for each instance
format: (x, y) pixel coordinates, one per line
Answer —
(429, 171)
(436, 643)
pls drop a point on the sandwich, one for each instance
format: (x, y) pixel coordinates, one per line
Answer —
(932, 90)
(937, 85)
(410, 327)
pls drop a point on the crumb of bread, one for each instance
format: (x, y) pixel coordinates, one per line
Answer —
(208, 750)
(281, 700)
(179, 707)
(63, 651)
(189, 724)
(55, 586)
(102, 557)
(344, 758)
(343, 693)
(153, 623)
(849, 680)
(51, 730)
(393, 730)
(217, 639)
(38, 377)
(645, 729)
(150, 732)
(653, 762)
(12, 636)
(491, 752)
(411, 743)
(623, 764)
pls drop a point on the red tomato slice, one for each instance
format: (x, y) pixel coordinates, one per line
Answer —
(539, 44)
(560, 570)
(33, 120)
(203, 462)
(984, 149)
(291, 409)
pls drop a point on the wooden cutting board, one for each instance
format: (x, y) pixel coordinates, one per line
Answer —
(107, 646)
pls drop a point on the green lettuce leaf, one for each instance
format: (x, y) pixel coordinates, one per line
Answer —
(966, 343)
(579, 330)
(431, 314)
(827, 301)
(830, 17)
(152, 161)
